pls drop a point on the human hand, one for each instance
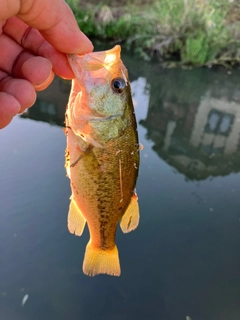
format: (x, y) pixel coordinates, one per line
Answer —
(35, 36)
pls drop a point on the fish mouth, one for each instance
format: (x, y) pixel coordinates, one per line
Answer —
(95, 60)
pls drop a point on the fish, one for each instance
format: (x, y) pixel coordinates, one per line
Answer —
(102, 156)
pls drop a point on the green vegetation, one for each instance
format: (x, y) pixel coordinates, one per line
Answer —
(189, 32)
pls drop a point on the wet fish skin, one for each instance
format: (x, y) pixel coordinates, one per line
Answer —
(102, 157)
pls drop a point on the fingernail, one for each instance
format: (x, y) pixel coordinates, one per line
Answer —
(45, 83)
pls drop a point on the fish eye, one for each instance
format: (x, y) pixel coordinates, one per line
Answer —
(118, 84)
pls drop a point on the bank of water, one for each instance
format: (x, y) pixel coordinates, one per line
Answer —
(191, 33)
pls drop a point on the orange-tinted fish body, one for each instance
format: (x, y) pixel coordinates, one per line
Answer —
(102, 156)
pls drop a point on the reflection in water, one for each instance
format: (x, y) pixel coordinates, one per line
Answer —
(192, 120)
(51, 104)
(195, 126)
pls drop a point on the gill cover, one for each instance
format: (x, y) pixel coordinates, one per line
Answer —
(99, 94)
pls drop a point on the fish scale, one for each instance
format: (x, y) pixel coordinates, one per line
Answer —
(102, 157)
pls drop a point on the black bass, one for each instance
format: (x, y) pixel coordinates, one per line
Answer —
(102, 156)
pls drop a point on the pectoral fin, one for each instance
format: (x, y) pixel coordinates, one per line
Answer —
(76, 220)
(131, 216)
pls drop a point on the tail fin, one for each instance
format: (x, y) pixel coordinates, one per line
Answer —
(98, 261)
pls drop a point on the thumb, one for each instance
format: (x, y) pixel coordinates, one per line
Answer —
(57, 24)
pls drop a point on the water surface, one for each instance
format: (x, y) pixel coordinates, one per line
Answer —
(183, 259)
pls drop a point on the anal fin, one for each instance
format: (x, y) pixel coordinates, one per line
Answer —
(76, 220)
(131, 216)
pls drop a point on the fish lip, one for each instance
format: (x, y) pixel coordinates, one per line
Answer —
(94, 61)
(97, 54)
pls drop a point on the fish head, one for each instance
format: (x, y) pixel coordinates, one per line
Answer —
(99, 96)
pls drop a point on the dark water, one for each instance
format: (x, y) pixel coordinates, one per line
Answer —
(183, 261)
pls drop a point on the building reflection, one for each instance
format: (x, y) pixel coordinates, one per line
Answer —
(198, 134)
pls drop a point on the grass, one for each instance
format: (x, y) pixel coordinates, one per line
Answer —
(189, 32)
